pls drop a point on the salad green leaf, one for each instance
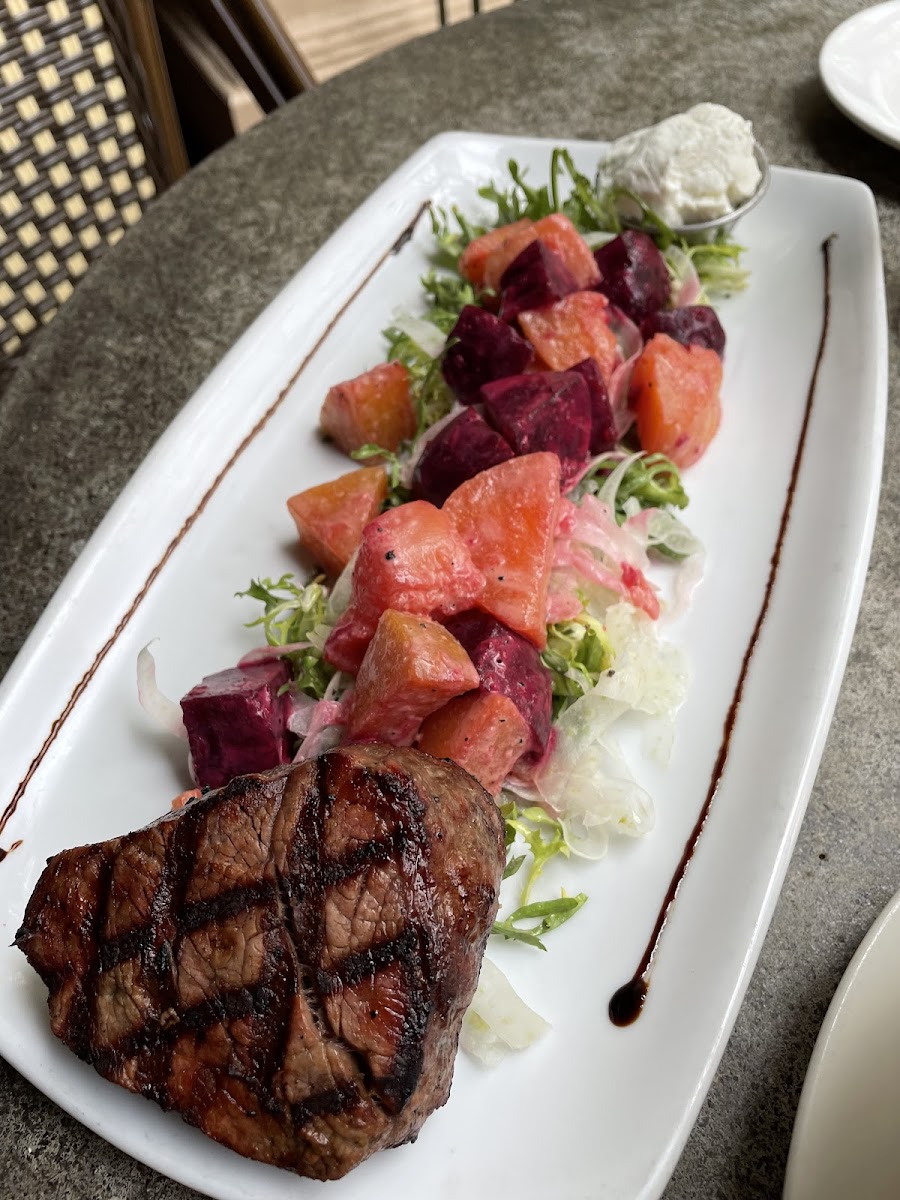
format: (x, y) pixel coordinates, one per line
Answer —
(402, 347)
(651, 479)
(588, 210)
(452, 233)
(396, 494)
(432, 397)
(577, 654)
(542, 834)
(519, 200)
(550, 914)
(449, 295)
(296, 614)
(718, 265)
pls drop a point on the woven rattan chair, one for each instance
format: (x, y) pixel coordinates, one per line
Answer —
(90, 132)
(84, 146)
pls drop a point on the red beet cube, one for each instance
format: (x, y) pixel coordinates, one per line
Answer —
(509, 664)
(635, 275)
(535, 278)
(484, 348)
(692, 325)
(463, 448)
(235, 722)
(549, 410)
(603, 424)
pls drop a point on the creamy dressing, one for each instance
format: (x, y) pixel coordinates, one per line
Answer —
(691, 167)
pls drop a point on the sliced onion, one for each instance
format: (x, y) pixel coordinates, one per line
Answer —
(519, 785)
(688, 577)
(317, 743)
(424, 333)
(686, 286)
(597, 527)
(498, 1020)
(666, 530)
(613, 803)
(611, 484)
(328, 719)
(338, 684)
(341, 593)
(586, 781)
(563, 601)
(592, 463)
(164, 711)
(597, 550)
(619, 387)
(627, 333)
(300, 710)
(262, 654)
(596, 238)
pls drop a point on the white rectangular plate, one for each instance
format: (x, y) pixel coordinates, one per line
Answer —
(611, 1107)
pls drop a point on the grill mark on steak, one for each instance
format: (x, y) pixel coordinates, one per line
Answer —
(296, 979)
(364, 855)
(194, 916)
(248, 998)
(159, 955)
(303, 921)
(355, 967)
(226, 904)
(306, 925)
(83, 1018)
(339, 1099)
(238, 1002)
(411, 948)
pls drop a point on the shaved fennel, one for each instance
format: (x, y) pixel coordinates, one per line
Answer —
(164, 711)
(498, 1020)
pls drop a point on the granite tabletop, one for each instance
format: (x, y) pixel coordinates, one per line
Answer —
(155, 315)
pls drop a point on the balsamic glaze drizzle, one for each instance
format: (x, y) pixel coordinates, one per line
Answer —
(627, 1002)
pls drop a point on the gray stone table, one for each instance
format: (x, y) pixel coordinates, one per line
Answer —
(151, 320)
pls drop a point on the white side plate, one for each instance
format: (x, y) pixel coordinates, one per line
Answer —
(860, 68)
(847, 1135)
(206, 512)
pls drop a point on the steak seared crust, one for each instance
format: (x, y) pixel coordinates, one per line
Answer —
(286, 961)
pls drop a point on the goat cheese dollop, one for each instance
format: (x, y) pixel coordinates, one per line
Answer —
(690, 167)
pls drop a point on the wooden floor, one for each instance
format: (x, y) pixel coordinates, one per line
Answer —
(336, 34)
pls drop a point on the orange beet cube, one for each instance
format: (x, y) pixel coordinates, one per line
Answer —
(507, 518)
(412, 667)
(473, 259)
(675, 395)
(571, 330)
(412, 559)
(483, 732)
(374, 408)
(517, 238)
(486, 258)
(330, 518)
(559, 235)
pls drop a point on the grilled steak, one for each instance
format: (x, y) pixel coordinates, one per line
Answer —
(286, 961)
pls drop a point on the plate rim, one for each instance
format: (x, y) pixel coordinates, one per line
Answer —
(158, 450)
(840, 95)
(803, 1120)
